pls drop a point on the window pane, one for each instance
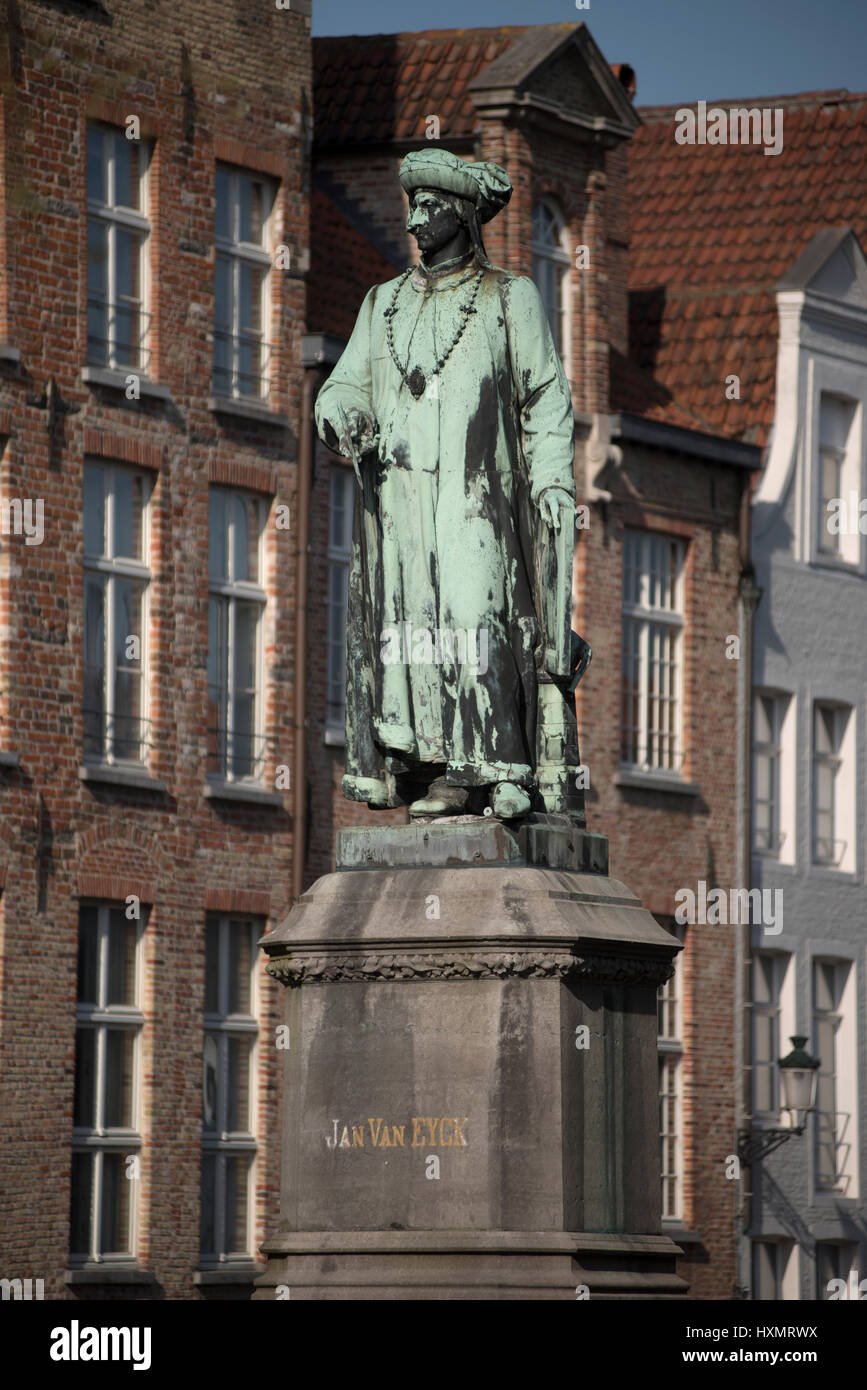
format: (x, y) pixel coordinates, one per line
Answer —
(238, 1084)
(237, 1171)
(217, 684)
(241, 954)
(94, 665)
(94, 510)
(207, 1230)
(97, 292)
(244, 722)
(129, 505)
(97, 169)
(238, 510)
(127, 297)
(88, 956)
(117, 1108)
(218, 553)
(128, 732)
(210, 1082)
(212, 966)
(222, 190)
(121, 958)
(127, 172)
(765, 1270)
(114, 1233)
(253, 198)
(84, 1095)
(80, 1205)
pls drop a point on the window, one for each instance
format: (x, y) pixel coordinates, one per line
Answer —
(116, 579)
(829, 729)
(652, 673)
(117, 233)
(834, 1261)
(237, 603)
(833, 1140)
(339, 559)
(670, 1060)
(106, 1141)
(243, 260)
(836, 417)
(551, 270)
(767, 758)
(771, 1272)
(228, 1090)
(768, 975)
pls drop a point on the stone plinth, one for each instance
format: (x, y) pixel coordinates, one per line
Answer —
(471, 1082)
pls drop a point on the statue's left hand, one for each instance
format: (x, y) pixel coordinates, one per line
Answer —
(556, 507)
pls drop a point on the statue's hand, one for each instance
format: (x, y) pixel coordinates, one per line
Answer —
(556, 507)
(363, 432)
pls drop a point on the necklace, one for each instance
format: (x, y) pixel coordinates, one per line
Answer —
(415, 379)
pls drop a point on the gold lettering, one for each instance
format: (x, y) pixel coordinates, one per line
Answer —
(397, 1133)
(417, 1130)
(385, 1142)
(458, 1136)
(374, 1133)
(432, 1127)
(358, 1136)
(344, 1139)
(446, 1143)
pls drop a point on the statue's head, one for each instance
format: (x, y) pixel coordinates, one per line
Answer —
(449, 199)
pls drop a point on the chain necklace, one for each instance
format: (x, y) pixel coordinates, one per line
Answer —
(416, 380)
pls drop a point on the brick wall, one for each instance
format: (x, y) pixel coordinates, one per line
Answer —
(223, 82)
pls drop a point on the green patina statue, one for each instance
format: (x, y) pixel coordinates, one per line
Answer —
(453, 405)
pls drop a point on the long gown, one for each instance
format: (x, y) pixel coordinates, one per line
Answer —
(447, 538)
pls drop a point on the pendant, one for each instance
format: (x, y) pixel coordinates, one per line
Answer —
(416, 382)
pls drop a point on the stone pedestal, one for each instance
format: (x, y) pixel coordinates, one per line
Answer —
(471, 1082)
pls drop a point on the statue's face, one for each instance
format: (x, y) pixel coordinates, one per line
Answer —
(432, 221)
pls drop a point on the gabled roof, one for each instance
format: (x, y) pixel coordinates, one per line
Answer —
(833, 265)
(714, 228)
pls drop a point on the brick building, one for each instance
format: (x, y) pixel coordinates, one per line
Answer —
(660, 562)
(153, 232)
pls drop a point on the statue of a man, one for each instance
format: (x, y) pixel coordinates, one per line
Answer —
(455, 409)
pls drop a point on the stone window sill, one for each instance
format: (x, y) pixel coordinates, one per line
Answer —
(116, 381)
(9, 760)
(229, 1274)
(9, 354)
(109, 1274)
(110, 774)
(246, 410)
(241, 791)
(655, 782)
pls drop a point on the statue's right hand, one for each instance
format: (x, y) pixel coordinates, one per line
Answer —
(363, 430)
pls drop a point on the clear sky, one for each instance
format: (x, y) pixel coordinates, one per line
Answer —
(681, 50)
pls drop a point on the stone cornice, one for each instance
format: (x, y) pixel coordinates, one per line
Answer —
(331, 967)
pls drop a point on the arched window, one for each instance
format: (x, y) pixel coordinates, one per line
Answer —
(551, 265)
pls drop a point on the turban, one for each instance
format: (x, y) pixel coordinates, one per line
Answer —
(483, 184)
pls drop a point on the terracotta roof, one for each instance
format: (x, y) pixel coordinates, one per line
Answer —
(343, 266)
(713, 229)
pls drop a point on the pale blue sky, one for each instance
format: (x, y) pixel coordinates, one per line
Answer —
(681, 50)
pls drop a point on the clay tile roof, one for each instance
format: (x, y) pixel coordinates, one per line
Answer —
(714, 228)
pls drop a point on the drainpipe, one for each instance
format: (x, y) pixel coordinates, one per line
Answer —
(749, 595)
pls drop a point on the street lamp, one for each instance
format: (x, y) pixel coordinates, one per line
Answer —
(799, 1076)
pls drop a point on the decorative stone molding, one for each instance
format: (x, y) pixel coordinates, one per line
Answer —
(302, 968)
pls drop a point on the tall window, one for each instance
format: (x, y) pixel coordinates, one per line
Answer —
(829, 728)
(770, 1261)
(339, 560)
(241, 352)
(767, 759)
(228, 1097)
(106, 1138)
(670, 1051)
(652, 664)
(768, 974)
(551, 267)
(117, 232)
(237, 603)
(836, 417)
(834, 1261)
(832, 1125)
(116, 579)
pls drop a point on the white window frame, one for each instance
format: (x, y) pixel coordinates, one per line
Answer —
(98, 1139)
(775, 1009)
(339, 560)
(220, 1142)
(232, 591)
(840, 1182)
(785, 1269)
(559, 256)
(650, 618)
(250, 253)
(116, 568)
(838, 809)
(116, 215)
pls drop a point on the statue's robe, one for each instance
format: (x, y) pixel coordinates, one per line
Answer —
(446, 537)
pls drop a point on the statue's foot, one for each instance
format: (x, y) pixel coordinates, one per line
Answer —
(509, 801)
(440, 800)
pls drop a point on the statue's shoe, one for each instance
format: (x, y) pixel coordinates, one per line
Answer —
(509, 801)
(441, 800)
